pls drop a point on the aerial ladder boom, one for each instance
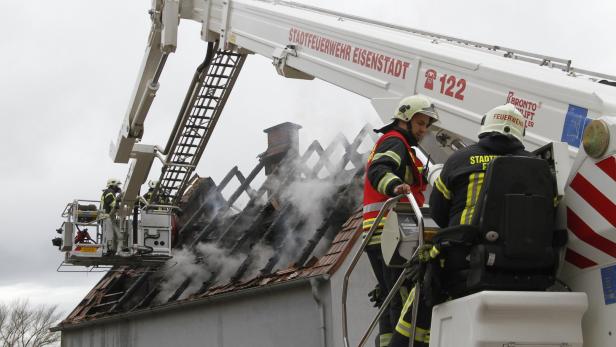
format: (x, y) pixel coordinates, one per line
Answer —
(381, 62)
(385, 62)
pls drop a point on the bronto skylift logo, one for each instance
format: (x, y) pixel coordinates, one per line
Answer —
(430, 77)
(526, 107)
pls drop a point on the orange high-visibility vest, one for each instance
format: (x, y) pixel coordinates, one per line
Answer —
(374, 201)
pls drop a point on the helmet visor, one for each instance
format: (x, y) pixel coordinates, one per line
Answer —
(429, 111)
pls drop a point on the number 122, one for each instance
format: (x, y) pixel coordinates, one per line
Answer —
(448, 83)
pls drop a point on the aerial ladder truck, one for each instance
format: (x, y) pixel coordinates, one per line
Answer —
(570, 118)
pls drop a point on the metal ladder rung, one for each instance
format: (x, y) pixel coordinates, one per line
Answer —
(201, 127)
(214, 87)
(173, 180)
(181, 164)
(186, 145)
(183, 151)
(188, 155)
(184, 161)
(217, 75)
(200, 117)
(177, 171)
(224, 65)
(210, 80)
(190, 136)
(205, 107)
(208, 97)
(175, 163)
(180, 159)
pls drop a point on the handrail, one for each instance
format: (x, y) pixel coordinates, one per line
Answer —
(388, 205)
(420, 230)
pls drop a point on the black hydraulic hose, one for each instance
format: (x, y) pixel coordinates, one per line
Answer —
(135, 223)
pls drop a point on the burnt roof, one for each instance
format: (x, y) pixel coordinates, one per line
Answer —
(299, 224)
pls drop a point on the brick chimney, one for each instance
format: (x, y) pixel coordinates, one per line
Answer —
(282, 141)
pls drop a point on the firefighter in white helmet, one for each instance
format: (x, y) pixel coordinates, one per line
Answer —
(392, 169)
(110, 196)
(151, 186)
(147, 197)
(501, 133)
(454, 198)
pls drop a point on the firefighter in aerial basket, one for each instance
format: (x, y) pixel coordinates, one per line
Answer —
(149, 194)
(110, 195)
(147, 197)
(393, 169)
(110, 203)
(453, 202)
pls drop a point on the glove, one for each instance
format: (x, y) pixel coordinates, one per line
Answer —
(427, 252)
(417, 271)
(424, 255)
(376, 296)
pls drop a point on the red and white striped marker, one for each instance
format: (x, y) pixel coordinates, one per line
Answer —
(591, 214)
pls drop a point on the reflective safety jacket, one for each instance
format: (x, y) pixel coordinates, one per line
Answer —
(456, 192)
(391, 163)
(108, 200)
(148, 195)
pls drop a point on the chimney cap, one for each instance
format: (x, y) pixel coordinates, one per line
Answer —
(282, 126)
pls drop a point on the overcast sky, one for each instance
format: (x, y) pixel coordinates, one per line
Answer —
(67, 69)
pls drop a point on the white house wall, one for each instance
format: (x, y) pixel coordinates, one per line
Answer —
(277, 317)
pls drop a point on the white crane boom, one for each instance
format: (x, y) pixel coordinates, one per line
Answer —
(384, 63)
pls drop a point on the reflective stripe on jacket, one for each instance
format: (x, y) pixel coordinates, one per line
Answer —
(108, 200)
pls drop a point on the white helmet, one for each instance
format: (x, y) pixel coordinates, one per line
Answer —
(113, 182)
(414, 104)
(504, 119)
(152, 184)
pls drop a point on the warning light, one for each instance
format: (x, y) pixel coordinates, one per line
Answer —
(596, 138)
